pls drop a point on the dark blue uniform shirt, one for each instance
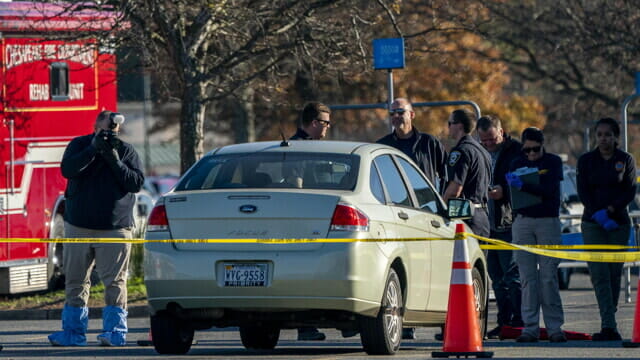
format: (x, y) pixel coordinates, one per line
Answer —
(470, 165)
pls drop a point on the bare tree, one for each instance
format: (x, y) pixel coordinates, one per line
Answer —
(578, 56)
(215, 48)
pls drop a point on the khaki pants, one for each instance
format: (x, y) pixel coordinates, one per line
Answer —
(539, 274)
(111, 261)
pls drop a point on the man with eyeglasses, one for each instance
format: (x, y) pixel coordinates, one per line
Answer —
(469, 170)
(425, 150)
(501, 264)
(316, 120)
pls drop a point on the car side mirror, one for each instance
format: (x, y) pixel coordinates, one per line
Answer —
(459, 209)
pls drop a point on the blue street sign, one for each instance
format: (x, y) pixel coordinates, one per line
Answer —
(638, 83)
(388, 53)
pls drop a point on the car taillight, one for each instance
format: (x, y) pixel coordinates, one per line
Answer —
(158, 219)
(348, 218)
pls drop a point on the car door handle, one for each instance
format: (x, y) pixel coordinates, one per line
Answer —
(435, 224)
(403, 215)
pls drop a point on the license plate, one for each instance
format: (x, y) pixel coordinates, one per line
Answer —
(245, 275)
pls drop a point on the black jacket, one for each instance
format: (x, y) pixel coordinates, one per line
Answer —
(99, 196)
(300, 135)
(550, 170)
(502, 217)
(426, 151)
(603, 183)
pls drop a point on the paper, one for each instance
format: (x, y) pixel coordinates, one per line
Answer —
(521, 199)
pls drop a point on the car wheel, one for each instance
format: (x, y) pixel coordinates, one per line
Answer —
(564, 277)
(170, 335)
(259, 337)
(382, 335)
(480, 294)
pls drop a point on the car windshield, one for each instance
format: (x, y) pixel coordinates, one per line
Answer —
(273, 170)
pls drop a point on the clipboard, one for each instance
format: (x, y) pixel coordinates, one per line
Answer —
(521, 199)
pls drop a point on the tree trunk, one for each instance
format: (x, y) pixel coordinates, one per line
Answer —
(191, 127)
(244, 116)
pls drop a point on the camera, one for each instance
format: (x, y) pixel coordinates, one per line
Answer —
(111, 138)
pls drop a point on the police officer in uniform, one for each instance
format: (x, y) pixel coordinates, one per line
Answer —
(469, 170)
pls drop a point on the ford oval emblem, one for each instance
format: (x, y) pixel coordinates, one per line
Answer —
(248, 209)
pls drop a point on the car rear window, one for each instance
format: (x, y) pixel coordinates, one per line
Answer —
(273, 170)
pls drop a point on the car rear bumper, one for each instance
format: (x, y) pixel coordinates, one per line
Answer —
(329, 278)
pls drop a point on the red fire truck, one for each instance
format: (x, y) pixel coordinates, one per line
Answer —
(53, 86)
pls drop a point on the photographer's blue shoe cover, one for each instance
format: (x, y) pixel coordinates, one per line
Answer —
(74, 327)
(114, 326)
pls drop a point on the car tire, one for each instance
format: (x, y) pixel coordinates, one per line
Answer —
(382, 335)
(564, 278)
(170, 335)
(481, 300)
(259, 337)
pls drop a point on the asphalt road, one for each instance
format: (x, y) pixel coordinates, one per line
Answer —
(27, 339)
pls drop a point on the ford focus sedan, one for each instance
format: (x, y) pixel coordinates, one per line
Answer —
(280, 235)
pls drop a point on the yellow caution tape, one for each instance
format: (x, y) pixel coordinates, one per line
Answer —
(556, 251)
(593, 256)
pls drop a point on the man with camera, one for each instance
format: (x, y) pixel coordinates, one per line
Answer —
(103, 173)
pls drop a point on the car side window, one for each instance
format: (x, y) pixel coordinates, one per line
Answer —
(392, 180)
(376, 185)
(427, 199)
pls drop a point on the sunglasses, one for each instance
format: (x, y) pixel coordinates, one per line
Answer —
(452, 122)
(534, 149)
(324, 122)
(397, 111)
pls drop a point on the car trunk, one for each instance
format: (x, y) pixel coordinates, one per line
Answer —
(249, 215)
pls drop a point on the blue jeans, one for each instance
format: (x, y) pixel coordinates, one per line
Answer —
(505, 280)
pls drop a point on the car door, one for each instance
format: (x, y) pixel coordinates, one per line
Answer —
(410, 222)
(432, 206)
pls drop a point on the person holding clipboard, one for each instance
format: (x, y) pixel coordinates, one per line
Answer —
(536, 174)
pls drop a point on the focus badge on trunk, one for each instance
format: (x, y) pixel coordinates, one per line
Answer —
(248, 209)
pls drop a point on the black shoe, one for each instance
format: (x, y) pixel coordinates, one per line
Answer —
(310, 334)
(526, 338)
(408, 333)
(558, 338)
(349, 333)
(495, 333)
(516, 323)
(607, 334)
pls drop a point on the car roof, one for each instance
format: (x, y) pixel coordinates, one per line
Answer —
(321, 146)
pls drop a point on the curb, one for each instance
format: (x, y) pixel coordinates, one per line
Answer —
(139, 311)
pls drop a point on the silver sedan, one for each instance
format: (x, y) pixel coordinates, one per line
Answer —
(368, 195)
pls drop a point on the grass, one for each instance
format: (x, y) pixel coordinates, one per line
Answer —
(137, 294)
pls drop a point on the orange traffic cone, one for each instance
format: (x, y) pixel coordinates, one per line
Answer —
(635, 338)
(461, 329)
(148, 342)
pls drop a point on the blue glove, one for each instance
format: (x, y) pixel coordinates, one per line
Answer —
(600, 217)
(610, 225)
(513, 180)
